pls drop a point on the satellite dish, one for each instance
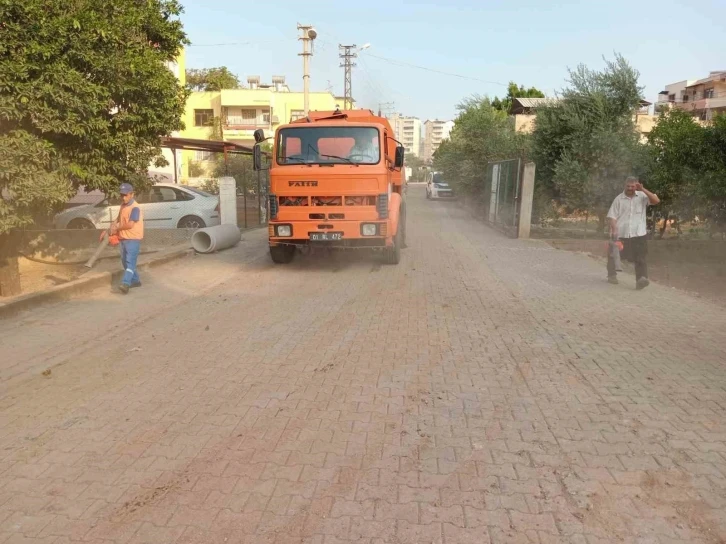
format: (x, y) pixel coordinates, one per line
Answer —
(312, 33)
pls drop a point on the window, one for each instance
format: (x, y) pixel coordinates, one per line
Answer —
(266, 118)
(708, 93)
(249, 115)
(202, 155)
(296, 114)
(328, 145)
(203, 118)
(671, 98)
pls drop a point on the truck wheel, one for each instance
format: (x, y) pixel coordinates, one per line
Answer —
(282, 254)
(393, 254)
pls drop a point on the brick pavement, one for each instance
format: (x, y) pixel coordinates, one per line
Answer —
(485, 390)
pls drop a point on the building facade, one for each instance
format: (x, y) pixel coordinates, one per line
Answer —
(702, 98)
(239, 112)
(435, 131)
(408, 132)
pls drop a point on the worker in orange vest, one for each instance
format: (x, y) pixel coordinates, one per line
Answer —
(130, 229)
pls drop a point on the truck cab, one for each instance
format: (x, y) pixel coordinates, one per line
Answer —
(335, 181)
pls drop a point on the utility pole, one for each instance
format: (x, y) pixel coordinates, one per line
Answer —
(348, 54)
(386, 108)
(308, 35)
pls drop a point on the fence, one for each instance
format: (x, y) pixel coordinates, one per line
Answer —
(507, 201)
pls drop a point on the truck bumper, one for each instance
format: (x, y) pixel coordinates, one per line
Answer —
(340, 234)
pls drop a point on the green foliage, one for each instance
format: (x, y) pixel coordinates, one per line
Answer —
(586, 144)
(417, 166)
(676, 154)
(239, 167)
(196, 170)
(481, 134)
(515, 91)
(85, 97)
(212, 79)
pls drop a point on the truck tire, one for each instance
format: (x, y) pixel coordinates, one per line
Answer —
(392, 255)
(282, 254)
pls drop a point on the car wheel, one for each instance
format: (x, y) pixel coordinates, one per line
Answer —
(81, 224)
(282, 254)
(191, 222)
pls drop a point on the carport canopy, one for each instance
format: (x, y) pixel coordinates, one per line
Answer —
(213, 146)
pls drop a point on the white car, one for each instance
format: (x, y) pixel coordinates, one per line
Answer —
(436, 187)
(164, 206)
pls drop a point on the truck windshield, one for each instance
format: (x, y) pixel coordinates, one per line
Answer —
(328, 145)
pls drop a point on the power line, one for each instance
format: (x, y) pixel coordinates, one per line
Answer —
(434, 70)
(225, 44)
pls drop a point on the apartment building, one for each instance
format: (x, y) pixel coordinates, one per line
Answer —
(435, 131)
(702, 98)
(242, 111)
(408, 132)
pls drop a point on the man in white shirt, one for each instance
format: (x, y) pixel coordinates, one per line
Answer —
(627, 217)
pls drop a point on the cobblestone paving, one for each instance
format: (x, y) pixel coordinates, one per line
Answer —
(484, 390)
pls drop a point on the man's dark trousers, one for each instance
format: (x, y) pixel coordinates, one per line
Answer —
(635, 250)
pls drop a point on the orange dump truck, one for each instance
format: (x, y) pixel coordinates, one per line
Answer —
(335, 181)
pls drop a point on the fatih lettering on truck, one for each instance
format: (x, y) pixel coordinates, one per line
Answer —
(335, 181)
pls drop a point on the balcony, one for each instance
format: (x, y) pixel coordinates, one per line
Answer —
(700, 104)
(232, 122)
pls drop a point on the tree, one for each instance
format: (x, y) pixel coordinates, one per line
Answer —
(417, 166)
(586, 144)
(481, 134)
(676, 153)
(85, 97)
(515, 91)
(212, 79)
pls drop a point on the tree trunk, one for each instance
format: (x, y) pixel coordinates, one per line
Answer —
(9, 269)
(587, 216)
(665, 225)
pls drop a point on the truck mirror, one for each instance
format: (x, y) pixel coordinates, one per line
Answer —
(399, 157)
(256, 156)
(259, 135)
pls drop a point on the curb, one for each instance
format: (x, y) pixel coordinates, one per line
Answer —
(86, 283)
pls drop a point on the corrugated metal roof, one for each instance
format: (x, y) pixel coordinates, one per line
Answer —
(535, 102)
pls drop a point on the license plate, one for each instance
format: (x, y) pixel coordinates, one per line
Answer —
(325, 236)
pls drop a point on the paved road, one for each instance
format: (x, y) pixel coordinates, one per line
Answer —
(484, 390)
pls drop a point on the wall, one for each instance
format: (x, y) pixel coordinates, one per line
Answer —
(524, 122)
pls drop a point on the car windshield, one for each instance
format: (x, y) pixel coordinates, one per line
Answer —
(328, 145)
(438, 178)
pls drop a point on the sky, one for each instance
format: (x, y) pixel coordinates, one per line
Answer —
(488, 42)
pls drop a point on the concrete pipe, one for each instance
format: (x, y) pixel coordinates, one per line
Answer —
(216, 238)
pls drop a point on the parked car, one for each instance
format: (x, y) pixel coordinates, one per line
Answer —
(164, 206)
(436, 187)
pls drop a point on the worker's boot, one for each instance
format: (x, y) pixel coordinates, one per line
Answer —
(123, 288)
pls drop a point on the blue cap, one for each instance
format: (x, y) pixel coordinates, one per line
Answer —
(126, 188)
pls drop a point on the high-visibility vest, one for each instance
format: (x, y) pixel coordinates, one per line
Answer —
(137, 231)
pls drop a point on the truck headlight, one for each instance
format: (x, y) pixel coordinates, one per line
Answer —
(284, 231)
(369, 229)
